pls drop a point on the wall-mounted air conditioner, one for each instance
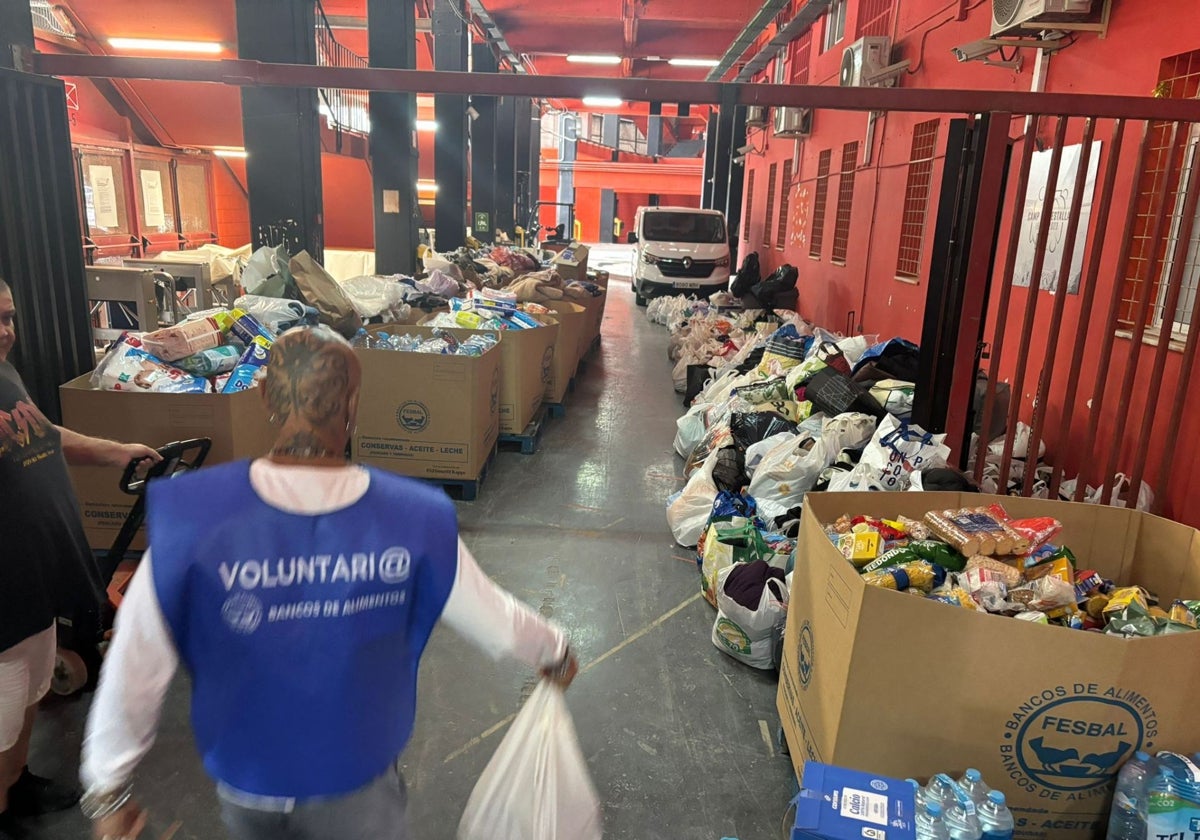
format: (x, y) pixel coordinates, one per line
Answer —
(1016, 16)
(866, 59)
(756, 116)
(793, 122)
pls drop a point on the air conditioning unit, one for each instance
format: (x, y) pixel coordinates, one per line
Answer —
(1016, 16)
(865, 58)
(793, 122)
(756, 116)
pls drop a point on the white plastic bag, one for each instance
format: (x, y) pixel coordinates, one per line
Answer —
(897, 448)
(376, 296)
(536, 787)
(688, 513)
(756, 452)
(690, 429)
(861, 479)
(786, 473)
(750, 635)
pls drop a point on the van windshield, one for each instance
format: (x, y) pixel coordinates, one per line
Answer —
(683, 227)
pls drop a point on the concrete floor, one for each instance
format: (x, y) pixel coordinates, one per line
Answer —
(679, 738)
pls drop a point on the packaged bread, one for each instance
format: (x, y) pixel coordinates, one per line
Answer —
(973, 531)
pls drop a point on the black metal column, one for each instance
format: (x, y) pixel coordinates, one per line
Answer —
(710, 162)
(654, 130)
(736, 177)
(723, 154)
(41, 246)
(392, 43)
(450, 145)
(521, 139)
(483, 151)
(608, 212)
(535, 155)
(280, 129)
(16, 33)
(506, 112)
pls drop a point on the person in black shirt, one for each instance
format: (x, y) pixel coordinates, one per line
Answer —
(45, 565)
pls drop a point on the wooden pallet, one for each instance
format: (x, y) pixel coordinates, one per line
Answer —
(464, 490)
(528, 440)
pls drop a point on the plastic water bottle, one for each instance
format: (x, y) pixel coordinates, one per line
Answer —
(995, 819)
(383, 341)
(962, 820)
(972, 782)
(361, 340)
(1128, 818)
(918, 795)
(941, 790)
(931, 825)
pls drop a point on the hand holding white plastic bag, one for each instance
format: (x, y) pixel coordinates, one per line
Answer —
(536, 787)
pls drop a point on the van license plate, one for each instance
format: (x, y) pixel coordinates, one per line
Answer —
(687, 284)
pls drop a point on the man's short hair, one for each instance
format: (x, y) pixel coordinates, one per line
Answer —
(4, 289)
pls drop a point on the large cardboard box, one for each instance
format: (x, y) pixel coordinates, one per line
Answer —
(426, 415)
(526, 368)
(595, 313)
(889, 683)
(236, 423)
(572, 336)
(571, 262)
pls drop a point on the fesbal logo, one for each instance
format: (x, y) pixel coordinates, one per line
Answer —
(807, 654)
(412, 416)
(1067, 742)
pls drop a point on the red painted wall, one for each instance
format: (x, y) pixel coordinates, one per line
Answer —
(233, 209)
(349, 213)
(865, 292)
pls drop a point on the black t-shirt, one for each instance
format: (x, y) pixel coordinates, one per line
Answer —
(46, 567)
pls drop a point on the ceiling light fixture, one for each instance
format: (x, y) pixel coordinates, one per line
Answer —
(693, 62)
(594, 59)
(161, 45)
(603, 101)
(427, 186)
(427, 125)
(230, 153)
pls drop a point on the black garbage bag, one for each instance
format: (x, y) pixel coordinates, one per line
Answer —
(748, 276)
(834, 393)
(778, 290)
(752, 427)
(729, 472)
(947, 479)
(895, 359)
(697, 376)
(753, 360)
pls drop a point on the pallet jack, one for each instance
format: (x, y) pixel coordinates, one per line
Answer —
(82, 639)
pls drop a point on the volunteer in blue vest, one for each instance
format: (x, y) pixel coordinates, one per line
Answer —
(299, 591)
(46, 570)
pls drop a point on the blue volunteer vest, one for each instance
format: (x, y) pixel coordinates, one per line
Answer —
(302, 634)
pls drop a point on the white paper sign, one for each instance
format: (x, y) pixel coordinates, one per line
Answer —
(152, 199)
(1039, 178)
(104, 197)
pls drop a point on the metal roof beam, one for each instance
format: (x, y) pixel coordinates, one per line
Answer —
(761, 20)
(242, 72)
(793, 29)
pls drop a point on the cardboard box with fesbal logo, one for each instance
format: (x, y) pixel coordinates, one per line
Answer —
(526, 367)
(427, 415)
(890, 683)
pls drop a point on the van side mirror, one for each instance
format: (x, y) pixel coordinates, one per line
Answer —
(632, 238)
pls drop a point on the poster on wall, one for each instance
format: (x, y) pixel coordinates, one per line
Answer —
(152, 199)
(104, 197)
(1064, 195)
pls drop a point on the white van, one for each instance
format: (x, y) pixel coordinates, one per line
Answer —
(679, 250)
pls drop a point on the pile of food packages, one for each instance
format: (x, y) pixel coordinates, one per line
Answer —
(778, 407)
(217, 351)
(980, 558)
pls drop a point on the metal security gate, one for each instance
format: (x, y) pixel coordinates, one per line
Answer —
(40, 257)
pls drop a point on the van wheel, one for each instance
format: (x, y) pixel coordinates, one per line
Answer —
(641, 300)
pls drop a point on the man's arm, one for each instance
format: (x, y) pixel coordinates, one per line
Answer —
(133, 682)
(500, 625)
(83, 451)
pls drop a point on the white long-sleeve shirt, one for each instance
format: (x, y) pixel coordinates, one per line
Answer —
(142, 659)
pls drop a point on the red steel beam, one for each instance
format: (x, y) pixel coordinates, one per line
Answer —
(242, 72)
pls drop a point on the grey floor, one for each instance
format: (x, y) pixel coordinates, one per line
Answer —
(678, 737)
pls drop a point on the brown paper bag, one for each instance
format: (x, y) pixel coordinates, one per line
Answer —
(323, 293)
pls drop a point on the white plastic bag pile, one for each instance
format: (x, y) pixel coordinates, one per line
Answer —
(536, 787)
